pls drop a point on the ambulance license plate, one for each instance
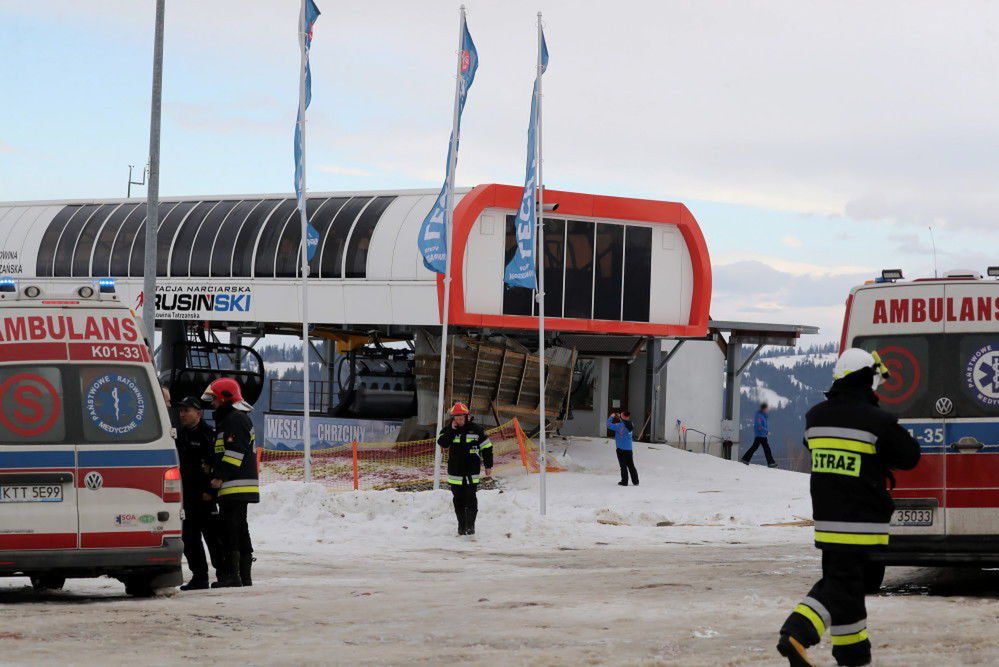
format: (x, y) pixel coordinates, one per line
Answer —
(31, 493)
(912, 516)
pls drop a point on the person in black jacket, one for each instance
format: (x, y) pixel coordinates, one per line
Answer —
(196, 448)
(468, 448)
(235, 477)
(854, 446)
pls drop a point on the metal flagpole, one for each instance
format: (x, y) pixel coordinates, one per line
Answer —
(153, 193)
(539, 241)
(307, 403)
(448, 215)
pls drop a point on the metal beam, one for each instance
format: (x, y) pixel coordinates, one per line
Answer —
(676, 348)
(752, 355)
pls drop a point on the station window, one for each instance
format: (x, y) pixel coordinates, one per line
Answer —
(183, 245)
(360, 239)
(169, 224)
(579, 269)
(331, 261)
(63, 265)
(320, 221)
(637, 273)
(46, 250)
(85, 242)
(225, 240)
(101, 263)
(516, 300)
(121, 249)
(609, 272)
(270, 235)
(139, 244)
(201, 251)
(554, 267)
(242, 250)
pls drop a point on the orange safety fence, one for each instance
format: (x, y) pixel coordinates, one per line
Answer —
(405, 466)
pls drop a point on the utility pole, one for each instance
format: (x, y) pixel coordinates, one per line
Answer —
(153, 194)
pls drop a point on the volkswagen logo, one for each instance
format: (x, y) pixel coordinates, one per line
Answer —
(944, 406)
(93, 480)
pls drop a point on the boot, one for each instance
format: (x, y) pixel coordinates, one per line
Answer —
(462, 528)
(470, 522)
(231, 578)
(245, 565)
(197, 583)
(796, 655)
(771, 465)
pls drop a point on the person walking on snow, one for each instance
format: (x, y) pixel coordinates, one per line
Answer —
(761, 431)
(620, 423)
(855, 445)
(468, 449)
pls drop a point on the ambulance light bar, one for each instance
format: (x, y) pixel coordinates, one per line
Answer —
(994, 271)
(8, 285)
(891, 275)
(106, 285)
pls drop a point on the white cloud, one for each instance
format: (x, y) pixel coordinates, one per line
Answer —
(791, 241)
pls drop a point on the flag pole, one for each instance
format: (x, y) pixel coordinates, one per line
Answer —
(448, 215)
(539, 254)
(306, 400)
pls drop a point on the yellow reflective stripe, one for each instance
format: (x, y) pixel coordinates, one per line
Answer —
(861, 539)
(239, 489)
(842, 444)
(836, 462)
(808, 613)
(219, 446)
(229, 459)
(845, 640)
(461, 480)
(486, 445)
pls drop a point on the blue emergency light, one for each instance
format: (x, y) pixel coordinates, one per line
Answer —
(106, 285)
(8, 284)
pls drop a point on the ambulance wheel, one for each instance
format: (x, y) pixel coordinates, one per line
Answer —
(874, 575)
(139, 587)
(47, 582)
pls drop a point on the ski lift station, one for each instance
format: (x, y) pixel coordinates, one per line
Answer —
(627, 301)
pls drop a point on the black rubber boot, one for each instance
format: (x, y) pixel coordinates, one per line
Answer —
(245, 566)
(231, 578)
(196, 584)
(470, 522)
(792, 649)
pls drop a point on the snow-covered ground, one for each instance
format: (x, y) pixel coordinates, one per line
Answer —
(697, 566)
(761, 393)
(792, 360)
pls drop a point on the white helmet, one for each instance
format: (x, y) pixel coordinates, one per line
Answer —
(855, 359)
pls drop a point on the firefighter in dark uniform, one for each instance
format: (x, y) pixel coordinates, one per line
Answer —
(468, 448)
(196, 450)
(854, 445)
(235, 471)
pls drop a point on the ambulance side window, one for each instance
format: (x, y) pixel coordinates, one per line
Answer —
(118, 405)
(32, 405)
(914, 367)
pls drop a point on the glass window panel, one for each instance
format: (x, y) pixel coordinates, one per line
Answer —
(637, 273)
(169, 224)
(360, 240)
(63, 265)
(118, 405)
(579, 269)
(242, 251)
(554, 267)
(609, 272)
(183, 244)
(105, 239)
(267, 246)
(139, 245)
(287, 258)
(516, 300)
(226, 238)
(121, 251)
(40, 415)
(201, 253)
(336, 237)
(46, 250)
(85, 243)
(321, 218)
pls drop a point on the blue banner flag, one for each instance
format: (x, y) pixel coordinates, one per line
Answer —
(433, 232)
(522, 269)
(311, 14)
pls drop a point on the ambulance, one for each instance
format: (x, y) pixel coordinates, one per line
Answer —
(939, 338)
(89, 476)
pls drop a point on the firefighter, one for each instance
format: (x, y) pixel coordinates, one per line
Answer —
(235, 468)
(196, 449)
(467, 447)
(854, 446)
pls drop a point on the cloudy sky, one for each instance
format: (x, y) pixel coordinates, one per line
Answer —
(815, 142)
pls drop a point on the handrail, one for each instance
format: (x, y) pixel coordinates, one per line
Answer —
(704, 438)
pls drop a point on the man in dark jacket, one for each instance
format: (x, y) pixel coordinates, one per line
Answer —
(854, 446)
(761, 435)
(468, 448)
(235, 468)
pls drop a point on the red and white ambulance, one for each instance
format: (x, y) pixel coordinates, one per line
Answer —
(939, 338)
(89, 477)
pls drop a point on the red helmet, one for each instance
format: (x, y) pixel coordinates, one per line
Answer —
(459, 408)
(227, 392)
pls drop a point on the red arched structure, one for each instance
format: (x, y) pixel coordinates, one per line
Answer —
(577, 204)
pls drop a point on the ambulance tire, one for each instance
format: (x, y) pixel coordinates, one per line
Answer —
(874, 576)
(139, 587)
(47, 582)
